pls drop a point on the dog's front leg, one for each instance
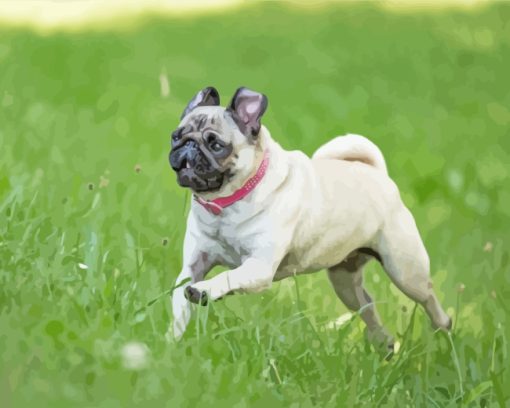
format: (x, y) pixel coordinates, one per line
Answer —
(254, 275)
(181, 309)
(197, 262)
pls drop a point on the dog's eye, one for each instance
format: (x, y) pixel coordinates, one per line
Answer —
(213, 142)
(216, 147)
(176, 135)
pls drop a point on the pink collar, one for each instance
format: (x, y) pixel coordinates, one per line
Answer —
(217, 205)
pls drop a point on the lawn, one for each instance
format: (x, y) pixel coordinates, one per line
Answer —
(92, 219)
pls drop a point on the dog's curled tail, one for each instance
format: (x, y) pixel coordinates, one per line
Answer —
(352, 148)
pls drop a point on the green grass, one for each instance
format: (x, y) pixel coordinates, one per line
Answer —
(81, 110)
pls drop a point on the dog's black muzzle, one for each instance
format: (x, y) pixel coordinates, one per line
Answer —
(193, 168)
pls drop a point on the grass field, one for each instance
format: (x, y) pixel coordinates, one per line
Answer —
(92, 219)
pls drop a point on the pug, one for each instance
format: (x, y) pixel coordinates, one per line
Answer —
(268, 213)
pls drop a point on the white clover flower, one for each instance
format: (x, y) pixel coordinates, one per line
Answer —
(135, 355)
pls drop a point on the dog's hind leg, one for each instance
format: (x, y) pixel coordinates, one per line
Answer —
(405, 259)
(347, 280)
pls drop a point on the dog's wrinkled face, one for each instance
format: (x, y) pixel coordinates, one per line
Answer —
(210, 139)
(201, 148)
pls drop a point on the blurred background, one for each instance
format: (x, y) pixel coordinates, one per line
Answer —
(92, 219)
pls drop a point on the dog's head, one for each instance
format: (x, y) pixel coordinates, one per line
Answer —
(212, 144)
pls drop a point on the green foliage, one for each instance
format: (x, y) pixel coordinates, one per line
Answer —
(92, 220)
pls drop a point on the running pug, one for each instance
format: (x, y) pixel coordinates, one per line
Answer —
(268, 213)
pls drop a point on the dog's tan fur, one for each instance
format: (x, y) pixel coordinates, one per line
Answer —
(306, 215)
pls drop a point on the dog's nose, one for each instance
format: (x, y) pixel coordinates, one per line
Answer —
(190, 152)
(185, 156)
(190, 148)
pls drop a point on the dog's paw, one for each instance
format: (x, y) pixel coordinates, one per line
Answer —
(195, 296)
(382, 341)
(449, 325)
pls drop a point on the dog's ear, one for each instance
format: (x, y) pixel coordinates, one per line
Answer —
(247, 107)
(206, 97)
